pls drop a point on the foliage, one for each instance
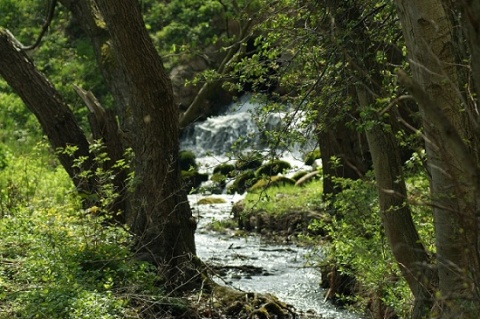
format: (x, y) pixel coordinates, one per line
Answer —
(58, 260)
(357, 245)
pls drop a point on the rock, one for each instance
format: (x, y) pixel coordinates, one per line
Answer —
(211, 201)
(307, 178)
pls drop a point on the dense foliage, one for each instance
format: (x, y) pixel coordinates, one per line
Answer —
(330, 68)
(58, 260)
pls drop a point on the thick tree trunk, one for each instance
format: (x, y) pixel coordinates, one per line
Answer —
(344, 153)
(43, 100)
(454, 177)
(86, 14)
(471, 23)
(160, 216)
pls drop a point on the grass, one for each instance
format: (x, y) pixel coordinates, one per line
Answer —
(284, 199)
(58, 260)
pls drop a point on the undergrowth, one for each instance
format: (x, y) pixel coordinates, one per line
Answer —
(58, 260)
(353, 239)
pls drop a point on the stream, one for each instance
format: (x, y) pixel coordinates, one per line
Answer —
(253, 265)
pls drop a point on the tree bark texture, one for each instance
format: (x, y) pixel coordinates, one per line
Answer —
(454, 178)
(87, 15)
(43, 100)
(400, 230)
(348, 147)
(471, 23)
(160, 216)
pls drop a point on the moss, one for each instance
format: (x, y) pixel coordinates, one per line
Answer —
(218, 178)
(249, 161)
(310, 157)
(106, 54)
(273, 181)
(187, 160)
(224, 169)
(211, 200)
(299, 175)
(273, 168)
(193, 179)
(243, 182)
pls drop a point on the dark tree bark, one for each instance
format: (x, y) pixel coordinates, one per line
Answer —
(43, 100)
(348, 147)
(160, 216)
(157, 211)
(400, 230)
(451, 147)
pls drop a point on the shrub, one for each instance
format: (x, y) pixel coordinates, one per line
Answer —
(59, 260)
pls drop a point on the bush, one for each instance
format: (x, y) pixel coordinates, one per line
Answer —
(358, 249)
(59, 260)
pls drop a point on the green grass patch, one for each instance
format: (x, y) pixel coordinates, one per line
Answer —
(58, 260)
(286, 198)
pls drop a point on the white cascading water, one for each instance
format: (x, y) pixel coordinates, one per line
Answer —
(288, 278)
(212, 139)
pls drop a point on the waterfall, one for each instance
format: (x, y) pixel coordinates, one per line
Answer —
(213, 139)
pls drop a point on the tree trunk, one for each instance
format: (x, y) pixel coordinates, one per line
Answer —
(454, 176)
(400, 230)
(347, 147)
(160, 216)
(41, 98)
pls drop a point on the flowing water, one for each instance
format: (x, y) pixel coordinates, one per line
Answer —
(250, 264)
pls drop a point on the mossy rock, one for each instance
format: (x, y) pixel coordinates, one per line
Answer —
(299, 175)
(218, 178)
(211, 201)
(219, 181)
(273, 168)
(193, 179)
(243, 182)
(271, 182)
(311, 156)
(249, 161)
(224, 169)
(307, 178)
(187, 160)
